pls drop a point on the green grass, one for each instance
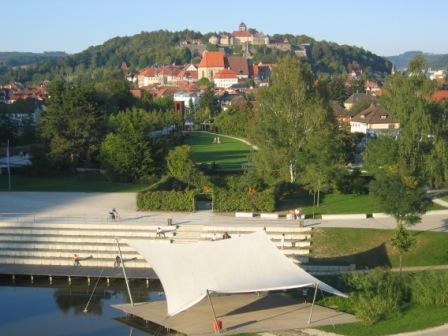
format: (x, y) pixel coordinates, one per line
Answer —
(66, 183)
(413, 318)
(371, 248)
(229, 151)
(336, 204)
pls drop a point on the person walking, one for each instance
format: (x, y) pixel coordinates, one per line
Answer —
(160, 233)
(76, 260)
(283, 241)
(113, 213)
(117, 262)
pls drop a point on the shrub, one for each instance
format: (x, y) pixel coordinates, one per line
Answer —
(166, 200)
(250, 200)
(430, 288)
(378, 295)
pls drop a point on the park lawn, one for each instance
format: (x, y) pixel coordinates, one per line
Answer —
(66, 183)
(414, 318)
(229, 151)
(371, 248)
(337, 204)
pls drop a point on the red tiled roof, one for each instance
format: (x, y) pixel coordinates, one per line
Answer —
(440, 95)
(238, 64)
(226, 73)
(212, 59)
(241, 34)
(155, 71)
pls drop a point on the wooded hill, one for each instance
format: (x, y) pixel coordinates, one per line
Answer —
(163, 47)
(434, 61)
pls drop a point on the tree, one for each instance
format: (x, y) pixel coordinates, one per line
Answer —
(236, 120)
(380, 154)
(403, 241)
(126, 152)
(7, 127)
(400, 195)
(288, 113)
(208, 104)
(72, 124)
(407, 99)
(180, 165)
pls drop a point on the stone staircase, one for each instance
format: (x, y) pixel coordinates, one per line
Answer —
(55, 242)
(187, 234)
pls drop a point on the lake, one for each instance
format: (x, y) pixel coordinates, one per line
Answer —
(43, 309)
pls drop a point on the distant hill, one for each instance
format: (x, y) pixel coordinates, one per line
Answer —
(15, 58)
(434, 61)
(163, 47)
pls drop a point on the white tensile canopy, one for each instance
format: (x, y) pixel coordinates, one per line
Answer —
(249, 263)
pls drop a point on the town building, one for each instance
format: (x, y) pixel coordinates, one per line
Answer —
(166, 75)
(211, 63)
(243, 36)
(225, 78)
(373, 120)
(356, 98)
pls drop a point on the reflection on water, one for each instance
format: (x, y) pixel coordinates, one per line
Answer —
(43, 309)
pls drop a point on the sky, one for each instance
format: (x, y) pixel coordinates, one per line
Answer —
(385, 27)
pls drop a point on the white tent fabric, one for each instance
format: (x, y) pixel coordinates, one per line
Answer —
(249, 263)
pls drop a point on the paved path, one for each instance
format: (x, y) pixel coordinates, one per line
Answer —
(441, 202)
(90, 206)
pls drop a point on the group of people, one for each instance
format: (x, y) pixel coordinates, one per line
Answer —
(113, 213)
(296, 213)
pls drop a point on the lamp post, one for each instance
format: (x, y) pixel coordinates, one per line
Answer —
(9, 165)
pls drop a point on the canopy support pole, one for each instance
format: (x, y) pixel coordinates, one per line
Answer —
(211, 305)
(124, 272)
(316, 286)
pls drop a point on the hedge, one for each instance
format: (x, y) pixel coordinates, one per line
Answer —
(229, 201)
(166, 200)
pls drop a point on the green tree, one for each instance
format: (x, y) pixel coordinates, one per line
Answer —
(289, 112)
(72, 124)
(126, 152)
(380, 154)
(236, 120)
(208, 104)
(400, 196)
(403, 241)
(180, 165)
(407, 99)
(7, 128)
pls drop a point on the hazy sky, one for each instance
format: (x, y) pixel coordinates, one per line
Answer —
(386, 27)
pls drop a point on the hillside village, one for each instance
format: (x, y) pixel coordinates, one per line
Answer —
(231, 77)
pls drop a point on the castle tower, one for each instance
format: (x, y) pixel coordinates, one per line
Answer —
(242, 27)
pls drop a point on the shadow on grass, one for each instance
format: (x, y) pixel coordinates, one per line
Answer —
(375, 257)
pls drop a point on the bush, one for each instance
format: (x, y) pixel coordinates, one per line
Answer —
(250, 200)
(166, 200)
(378, 295)
(430, 288)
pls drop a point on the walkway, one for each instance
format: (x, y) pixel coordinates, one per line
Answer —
(76, 206)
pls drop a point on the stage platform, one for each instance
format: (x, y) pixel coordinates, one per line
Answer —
(239, 313)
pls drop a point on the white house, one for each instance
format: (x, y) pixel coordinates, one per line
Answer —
(373, 120)
(225, 78)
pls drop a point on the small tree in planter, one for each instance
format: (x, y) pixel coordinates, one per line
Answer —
(403, 241)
